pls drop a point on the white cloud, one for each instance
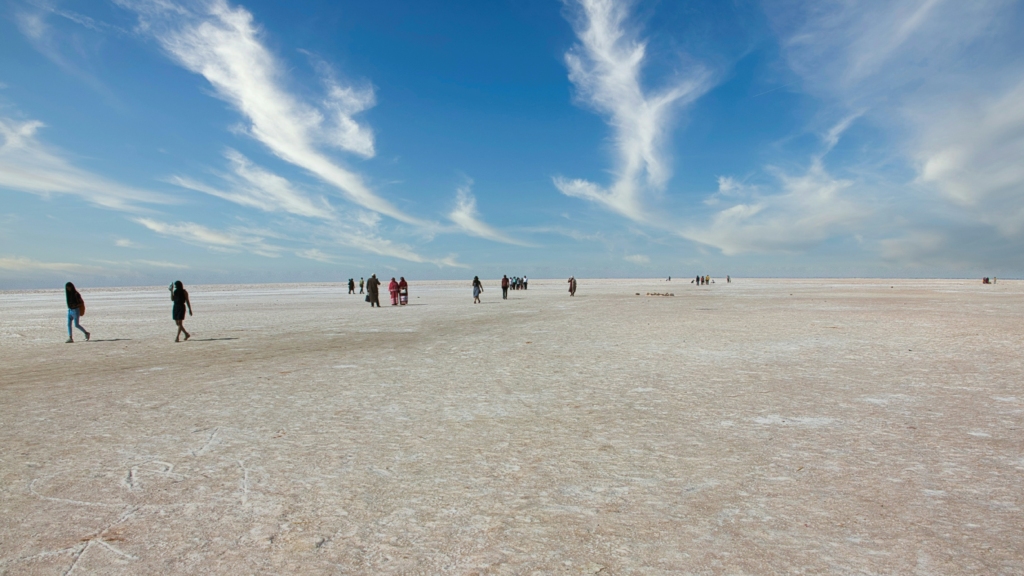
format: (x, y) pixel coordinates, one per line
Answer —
(70, 51)
(451, 261)
(224, 45)
(858, 51)
(911, 247)
(253, 186)
(729, 187)
(465, 216)
(567, 232)
(606, 69)
(974, 157)
(314, 254)
(162, 264)
(831, 137)
(638, 259)
(811, 208)
(26, 264)
(369, 241)
(26, 165)
(943, 80)
(200, 235)
(125, 243)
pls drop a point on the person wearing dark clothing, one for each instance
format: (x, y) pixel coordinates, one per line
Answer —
(76, 307)
(351, 286)
(572, 286)
(372, 294)
(504, 287)
(180, 298)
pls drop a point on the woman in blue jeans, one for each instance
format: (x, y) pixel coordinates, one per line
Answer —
(75, 303)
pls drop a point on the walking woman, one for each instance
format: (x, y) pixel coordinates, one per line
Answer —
(477, 289)
(76, 307)
(403, 291)
(393, 291)
(180, 298)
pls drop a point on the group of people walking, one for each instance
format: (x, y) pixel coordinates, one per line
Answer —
(76, 309)
(704, 280)
(397, 289)
(513, 283)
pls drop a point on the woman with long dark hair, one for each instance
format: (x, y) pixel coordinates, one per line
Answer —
(477, 289)
(76, 307)
(180, 298)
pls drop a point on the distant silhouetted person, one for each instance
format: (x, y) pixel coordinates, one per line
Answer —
(504, 287)
(351, 286)
(76, 308)
(403, 291)
(728, 279)
(360, 285)
(572, 286)
(180, 298)
(477, 289)
(526, 283)
(372, 294)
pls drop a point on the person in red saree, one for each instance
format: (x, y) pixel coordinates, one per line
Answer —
(403, 291)
(393, 289)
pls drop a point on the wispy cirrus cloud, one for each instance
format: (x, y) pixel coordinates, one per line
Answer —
(255, 187)
(315, 254)
(373, 243)
(27, 165)
(467, 219)
(199, 235)
(28, 265)
(973, 157)
(810, 208)
(223, 44)
(858, 51)
(943, 81)
(803, 211)
(606, 68)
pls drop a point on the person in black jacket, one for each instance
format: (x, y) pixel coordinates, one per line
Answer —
(76, 306)
(180, 298)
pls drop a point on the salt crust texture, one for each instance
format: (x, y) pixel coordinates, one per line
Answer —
(758, 427)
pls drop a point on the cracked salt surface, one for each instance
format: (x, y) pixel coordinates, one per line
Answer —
(785, 428)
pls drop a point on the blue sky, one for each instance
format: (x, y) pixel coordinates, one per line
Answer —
(143, 141)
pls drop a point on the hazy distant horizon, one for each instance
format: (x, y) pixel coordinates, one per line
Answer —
(537, 281)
